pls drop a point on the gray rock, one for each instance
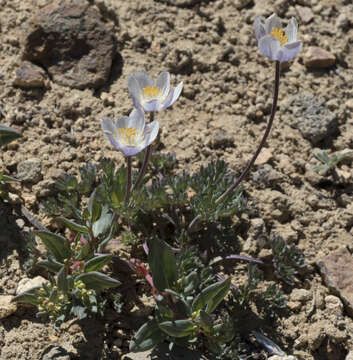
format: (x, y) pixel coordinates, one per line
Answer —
(318, 58)
(138, 356)
(72, 43)
(344, 19)
(266, 176)
(311, 117)
(30, 170)
(222, 139)
(305, 13)
(26, 284)
(7, 308)
(29, 75)
(337, 271)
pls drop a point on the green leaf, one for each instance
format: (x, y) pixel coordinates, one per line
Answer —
(162, 262)
(148, 335)
(27, 297)
(97, 262)
(79, 311)
(5, 178)
(51, 265)
(105, 241)
(8, 134)
(104, 223)
(178, 328)
(73, 226)
(56, 244)
(62, 280)
(94, 207)
(97, 281)
(211, 296)
(206, 320)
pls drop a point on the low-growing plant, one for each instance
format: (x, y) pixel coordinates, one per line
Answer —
(168, 214)
(74, 265)
(328, 163)
(288, 261)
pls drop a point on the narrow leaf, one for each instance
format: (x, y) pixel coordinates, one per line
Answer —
(94, 207)
(27, 297)
(211, 296)
(178, 328)
(62, 280)
(97, 262)
(56, 244)
(8, 134)
(147, 337)
(103, 224)
(51, 265)
(162, 262)
(73, 226)
(97, 281)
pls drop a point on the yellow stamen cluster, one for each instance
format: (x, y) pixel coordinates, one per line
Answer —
(127, 135)
(150, 91)
(280, 35)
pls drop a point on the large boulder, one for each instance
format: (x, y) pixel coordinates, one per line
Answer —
(72, 43)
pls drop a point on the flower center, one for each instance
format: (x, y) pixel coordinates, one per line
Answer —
(151, 92)
(280, 35)
(128, 136)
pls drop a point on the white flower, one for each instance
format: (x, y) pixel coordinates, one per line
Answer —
(274, 42)
(130, 134)
(152, 96)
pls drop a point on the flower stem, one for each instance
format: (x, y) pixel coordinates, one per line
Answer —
(145, 160)
(128, 179)
(262, 143)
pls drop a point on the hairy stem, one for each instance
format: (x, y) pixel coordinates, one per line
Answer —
(262, 143)
(128, 180)
(145, 160)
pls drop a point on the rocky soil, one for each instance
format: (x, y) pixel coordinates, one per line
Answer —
(62, 69)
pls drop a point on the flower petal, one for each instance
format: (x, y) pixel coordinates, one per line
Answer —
(109, 129)
(163, 83)
(291, 30)
(121, 123)
(143, 79)
(108, 126)
(131, 150)
(137, 119)
(259, 28)
(269, 46)
(134, 90)
(271, 22)
(173, 96)
(290, 50)
(152, 105)
(150, 133)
